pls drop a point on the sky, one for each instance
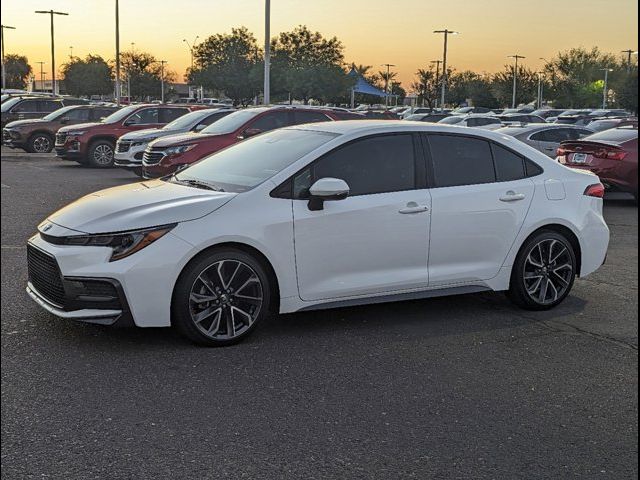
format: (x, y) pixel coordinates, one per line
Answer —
(373, 32)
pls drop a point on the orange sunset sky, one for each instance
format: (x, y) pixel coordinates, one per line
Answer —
(373, 31)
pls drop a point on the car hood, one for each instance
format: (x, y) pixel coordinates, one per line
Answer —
(79, 126)
(149, 132)
(181, 139)
(21, 123)
(138, 205)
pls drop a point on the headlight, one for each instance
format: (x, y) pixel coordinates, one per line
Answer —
(122, 244)
(74, 133)
(180, 149)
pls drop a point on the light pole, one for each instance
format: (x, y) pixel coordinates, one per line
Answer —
(133, 44)
(41, 75)
(51, 13)
(71, 51)
(191, 47)
(629, 53)
(117, 53)
(4, 73)
(267, 52)
(606, 86)
(162, 62)
(541, 84)
(387, 82)
(437, 62)
(515, 78)
(446, 33)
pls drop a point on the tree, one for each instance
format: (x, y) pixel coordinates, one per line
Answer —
(427, 86)
(627, 93)
(230, 63)
(17, 71)
(144, 73)
(306, 65)
(468, 86)
(91, 76)
(527, 86)
(576, 78)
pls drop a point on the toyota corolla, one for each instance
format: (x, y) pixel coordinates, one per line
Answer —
(321, 216)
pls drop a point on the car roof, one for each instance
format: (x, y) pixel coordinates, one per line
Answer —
(530, 127)
(380, 126)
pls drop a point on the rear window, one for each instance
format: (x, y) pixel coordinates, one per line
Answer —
(615, 135)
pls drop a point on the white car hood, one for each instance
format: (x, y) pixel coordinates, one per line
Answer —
(138, 205)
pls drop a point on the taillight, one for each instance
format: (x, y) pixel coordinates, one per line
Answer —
(561, 151)
(595, 190)
(611, 154)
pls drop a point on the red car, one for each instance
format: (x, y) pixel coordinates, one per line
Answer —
(166, 155)
(611, 154)
(94, 143)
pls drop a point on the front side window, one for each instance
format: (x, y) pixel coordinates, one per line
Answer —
(372, 165)
(205, 122)
(77, 114)
(143, 117)
(309, 117)
(459, 160)
(170, 114)
(47, 105)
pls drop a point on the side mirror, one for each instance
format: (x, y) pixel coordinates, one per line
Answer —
(64, 120)
(199, 128)
(327, 189)
(249, 132)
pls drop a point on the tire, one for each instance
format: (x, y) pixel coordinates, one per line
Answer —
(40, 143)
(220, 297)
(101, 153)
(548, 261)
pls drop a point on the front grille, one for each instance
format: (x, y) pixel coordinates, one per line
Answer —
(61, 138)
(44, 275)
(153, 156)
(123, 147)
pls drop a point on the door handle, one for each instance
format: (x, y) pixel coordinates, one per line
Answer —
(413, 207)
(512, 196)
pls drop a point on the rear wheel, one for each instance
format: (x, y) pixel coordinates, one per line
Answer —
(101, 154)
(220, 298)
(40, 143)
(544, 271)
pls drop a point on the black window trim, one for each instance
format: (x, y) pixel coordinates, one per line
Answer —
(285, 189)
(431, 168)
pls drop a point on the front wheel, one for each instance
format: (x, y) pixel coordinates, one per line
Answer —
(101, 154)
(544, 271)
(220, 298)
(40, 143)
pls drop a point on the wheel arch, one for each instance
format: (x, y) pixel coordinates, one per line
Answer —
(564, 231)
(97, 138)
(248, 249)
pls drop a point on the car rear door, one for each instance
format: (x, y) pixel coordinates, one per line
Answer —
(374, 241)
(480, 198)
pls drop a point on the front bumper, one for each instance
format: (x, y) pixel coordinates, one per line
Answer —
(143, 281)
(12, 138)
(131, 157)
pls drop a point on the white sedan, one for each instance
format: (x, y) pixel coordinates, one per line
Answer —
(320, 216)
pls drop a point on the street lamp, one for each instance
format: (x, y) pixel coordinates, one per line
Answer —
(162, 62)
(437, 62)
(117, 53)
(191, 46)
(133, 44)
(51, 13)
(386, 82)
(267, 51)
(41, 75)
(446, 33)
(515, 78)
(541, 84)
(4, 74)
(629, 53)
(606, 88)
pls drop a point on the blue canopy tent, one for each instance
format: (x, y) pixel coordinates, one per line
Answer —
(362, 86)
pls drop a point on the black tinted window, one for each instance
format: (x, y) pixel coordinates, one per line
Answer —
(205, 122)
(461, 160)
(144, 116)
(80, 114)
(271, 121)
(170, 114)
(509, 166)
(555, 135)
(98, 114)
(372, 165)
(48, 106)
(309, 117)
(533, 168)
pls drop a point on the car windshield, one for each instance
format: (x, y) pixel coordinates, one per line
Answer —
(231, 122)
(186, 121)
(415, 116)
(6, 106)
(452, 120)
(58, 113)
(614, 135)
(121, 114)
(244, 165)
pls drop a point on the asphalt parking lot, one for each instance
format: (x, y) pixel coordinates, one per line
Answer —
(466, 387)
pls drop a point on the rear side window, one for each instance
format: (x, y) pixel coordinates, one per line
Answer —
(509, 166)
(461, 160)
(379, 164)
(48, 106)
(170, 114)
(554, 135)
(98, 114)
(205, 122)
(144, 116)
(271, 121)
(309, 117)
(80, 114)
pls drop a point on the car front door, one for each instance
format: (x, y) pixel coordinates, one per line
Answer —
(374, 241)
(480, 199)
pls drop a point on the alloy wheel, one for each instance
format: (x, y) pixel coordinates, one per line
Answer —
(225, 299)
(548, 271)
(103, 154)
(41, 144)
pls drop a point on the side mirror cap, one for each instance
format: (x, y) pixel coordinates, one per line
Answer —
(327, 189)
(249, 132)
(199, 128)
(64, 120)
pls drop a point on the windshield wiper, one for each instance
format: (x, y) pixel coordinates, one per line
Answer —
(193, 182)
